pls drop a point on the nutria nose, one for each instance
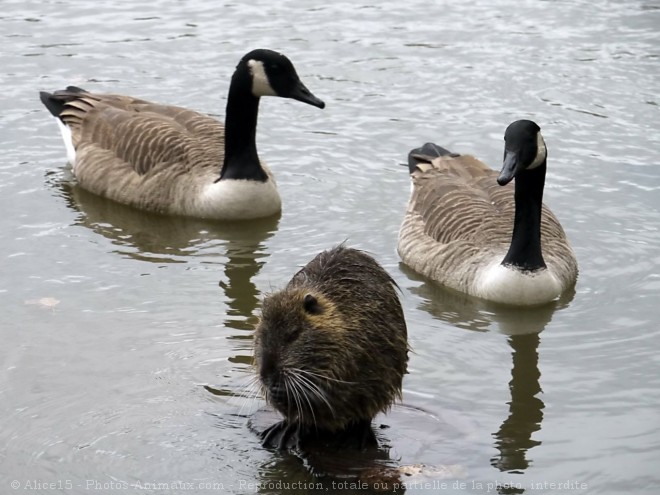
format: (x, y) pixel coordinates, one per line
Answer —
(273, 381)
(277, 393)
(268, 366)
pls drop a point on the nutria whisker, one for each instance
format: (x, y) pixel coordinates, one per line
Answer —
(252, 386)
(301, 389)
(250, 394)
(289, 402)
(291, 392)
(315, 389)
(246, 383)
(290, 385)
(324, 377)
(291, 398)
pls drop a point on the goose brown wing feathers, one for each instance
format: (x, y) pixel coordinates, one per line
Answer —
(144, 136)
(458, 199)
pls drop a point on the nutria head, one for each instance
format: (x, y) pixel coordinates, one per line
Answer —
(331, 347)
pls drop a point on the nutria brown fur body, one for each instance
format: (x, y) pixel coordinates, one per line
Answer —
(331, 349)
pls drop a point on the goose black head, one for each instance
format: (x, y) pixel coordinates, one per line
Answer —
(273, 74)
(524, 149)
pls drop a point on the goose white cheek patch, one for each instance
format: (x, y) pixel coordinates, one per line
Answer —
(541, 152)
(260, 84)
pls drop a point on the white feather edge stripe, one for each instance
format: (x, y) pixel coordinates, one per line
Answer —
(68, 142)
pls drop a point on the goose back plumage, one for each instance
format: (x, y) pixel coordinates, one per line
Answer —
(143, 154)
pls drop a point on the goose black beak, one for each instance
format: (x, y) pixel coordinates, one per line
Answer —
(301, 93)
(510, 167)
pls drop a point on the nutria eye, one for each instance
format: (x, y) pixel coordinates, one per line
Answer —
(311, 305)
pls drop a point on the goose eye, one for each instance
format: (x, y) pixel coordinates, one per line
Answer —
(311, 305)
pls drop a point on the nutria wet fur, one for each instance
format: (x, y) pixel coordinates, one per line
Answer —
(331, 349)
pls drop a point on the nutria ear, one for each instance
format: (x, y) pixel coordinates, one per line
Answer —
(311, 305)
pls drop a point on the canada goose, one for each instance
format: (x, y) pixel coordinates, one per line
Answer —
(466, 232)
(175, 161)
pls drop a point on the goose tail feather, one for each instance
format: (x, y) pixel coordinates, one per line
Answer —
(426, 154)
(55, 102)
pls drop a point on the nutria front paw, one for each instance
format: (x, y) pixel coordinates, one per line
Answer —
(281, 436)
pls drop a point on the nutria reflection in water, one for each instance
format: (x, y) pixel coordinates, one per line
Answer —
(330, 351)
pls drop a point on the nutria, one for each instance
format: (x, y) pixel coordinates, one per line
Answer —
(331, 350)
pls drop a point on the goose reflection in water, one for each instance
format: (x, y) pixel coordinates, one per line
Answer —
(239, 247)
(514, 437)
(167, 239)
(523, 326)
(469, 313)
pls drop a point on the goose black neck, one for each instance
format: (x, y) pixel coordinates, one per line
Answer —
(525, 250)
(241, 160)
